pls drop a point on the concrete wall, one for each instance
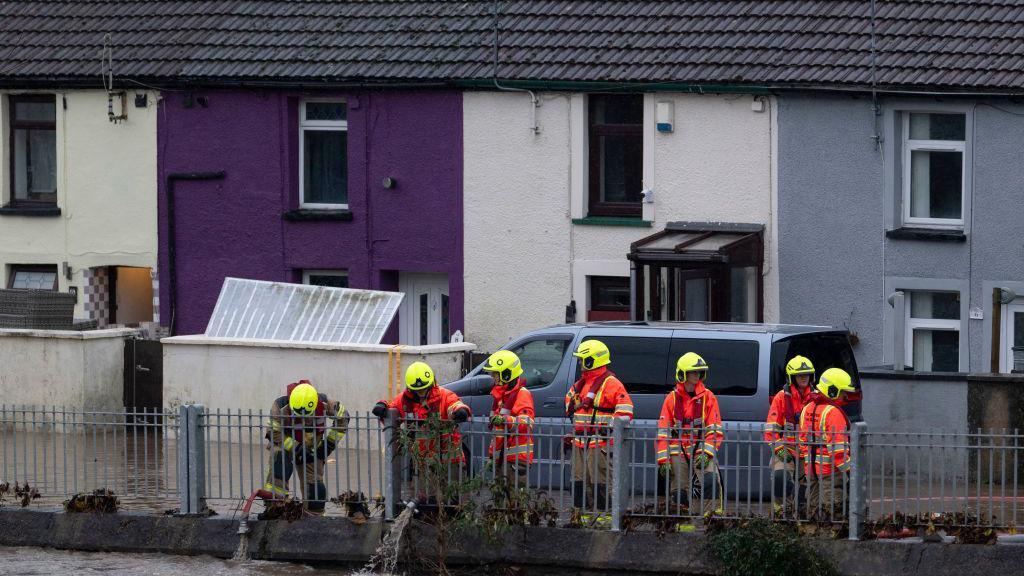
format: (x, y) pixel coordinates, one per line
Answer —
(250, 374)
(236, 226)
(106, 192)
(81, 370)
(914, 402)
(522, 271)
(837, 264)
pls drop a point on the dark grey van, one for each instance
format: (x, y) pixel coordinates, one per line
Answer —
(747, 367)
(747, 363)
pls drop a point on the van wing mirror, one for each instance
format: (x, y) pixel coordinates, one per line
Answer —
(481, 385)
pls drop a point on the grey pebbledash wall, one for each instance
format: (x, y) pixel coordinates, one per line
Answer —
(836, 264)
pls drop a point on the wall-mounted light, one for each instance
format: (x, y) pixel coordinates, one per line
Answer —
(1006, 296)
(389, 182)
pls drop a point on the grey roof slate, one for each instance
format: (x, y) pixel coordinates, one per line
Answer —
(942, 44)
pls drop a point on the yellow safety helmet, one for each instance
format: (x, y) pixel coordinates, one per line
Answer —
(835, 381)
(799, 365)
(690, 362)
(593, 353)
(506, 364)
(303, 399)
(419, 376)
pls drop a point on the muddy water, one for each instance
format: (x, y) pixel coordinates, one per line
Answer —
(41, 561)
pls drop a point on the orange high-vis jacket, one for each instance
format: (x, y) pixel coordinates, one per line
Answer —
(783, 418)
(689, 421)
(824, 437)
(514, 435)
(413, 413)
(592, 426)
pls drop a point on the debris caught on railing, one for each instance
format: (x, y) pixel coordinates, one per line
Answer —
(101, 501)
(288, 509)
(356, 505)
(964, 527)
(25, 494)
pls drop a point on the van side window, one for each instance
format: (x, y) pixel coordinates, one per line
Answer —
(733, 363)
(641, 364)
(541, 359)
(824, 350)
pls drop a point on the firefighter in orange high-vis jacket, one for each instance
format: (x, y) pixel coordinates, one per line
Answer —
(690, 433)
(824, 434)
(512, 413)
(430, 417)
(591, 403)
(788, 479)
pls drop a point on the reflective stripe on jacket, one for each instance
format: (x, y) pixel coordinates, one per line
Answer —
(592, 426)
(824, 437)
(689, 421)
(514, 436)
(783, 418)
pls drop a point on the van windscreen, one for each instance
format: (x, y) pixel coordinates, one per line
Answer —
(732, 364)
(640, 363)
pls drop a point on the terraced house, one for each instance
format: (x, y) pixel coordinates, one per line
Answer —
(509, 165)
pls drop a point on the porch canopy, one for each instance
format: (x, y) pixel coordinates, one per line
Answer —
(702, 271)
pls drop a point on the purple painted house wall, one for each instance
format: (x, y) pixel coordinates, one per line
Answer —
(235, 226)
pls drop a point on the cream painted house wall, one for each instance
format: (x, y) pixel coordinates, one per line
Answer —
(524, 258)
(106, 191)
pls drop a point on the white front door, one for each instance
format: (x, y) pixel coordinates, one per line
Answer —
(1013, 334)
(424, 314)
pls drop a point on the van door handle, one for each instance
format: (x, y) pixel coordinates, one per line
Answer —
(553, 401)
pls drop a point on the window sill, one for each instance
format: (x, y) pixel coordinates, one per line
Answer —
(934, 234)
(10, 210)
(612, 221)
(309, 215)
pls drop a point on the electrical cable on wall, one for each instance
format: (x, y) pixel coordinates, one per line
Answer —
(107, 77)
(533, 97)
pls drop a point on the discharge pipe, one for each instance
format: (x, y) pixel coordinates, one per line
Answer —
(243, 525)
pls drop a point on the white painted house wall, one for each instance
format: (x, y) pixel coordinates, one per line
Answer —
(524, 258)
(106, 191)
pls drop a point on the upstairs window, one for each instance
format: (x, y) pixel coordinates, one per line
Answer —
(33, 144)
(933, 169)
(615, 138)
(323, 155)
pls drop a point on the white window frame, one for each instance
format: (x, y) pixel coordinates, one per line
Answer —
(323, 126)
(307, 273)
(936, 324)
(912, 145)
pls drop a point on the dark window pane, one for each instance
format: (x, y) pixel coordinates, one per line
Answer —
(445, 333)
(618, 109)
(939, 305)
(609, 293)
(325, 167)
(938, 127)
(35, 164)
(424, 320)
(35, 112)
(621, 168)
(330, 280)
(332, 111)
(540, 360)
(640, 363)
(1018, 329)
(732, 363)
(696, 302)
(936, 350)
(743, 294)
(936, 182)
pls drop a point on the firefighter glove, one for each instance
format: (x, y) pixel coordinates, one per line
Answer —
(702, 460)
(784, 455)
(665, 469)
(497, 420)
(380, 409)
(460, 415)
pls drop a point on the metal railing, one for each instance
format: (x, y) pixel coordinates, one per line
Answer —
(61, 451)
(192, 458)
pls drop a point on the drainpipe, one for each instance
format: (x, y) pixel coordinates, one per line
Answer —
(171, 243)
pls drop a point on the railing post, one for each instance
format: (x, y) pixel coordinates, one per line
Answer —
(392, 466)
(622, 474)
(191, 461)
(858, 479)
